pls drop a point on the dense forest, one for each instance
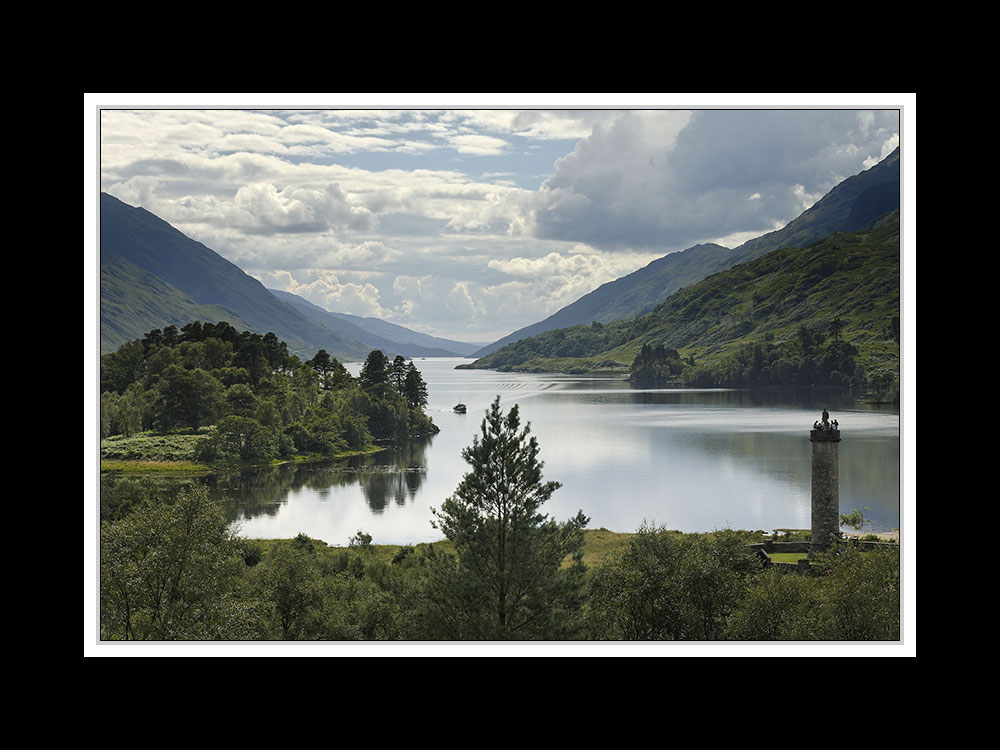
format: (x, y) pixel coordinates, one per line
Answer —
(241, 397)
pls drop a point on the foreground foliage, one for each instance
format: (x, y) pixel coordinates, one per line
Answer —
(855, 597)
(670, 586)
(507, 580)
(171, 569)
(175, 572)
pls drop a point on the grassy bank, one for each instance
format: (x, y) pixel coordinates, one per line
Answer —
(139, 466)
(599, 545)
(174, 454)
(152, 447)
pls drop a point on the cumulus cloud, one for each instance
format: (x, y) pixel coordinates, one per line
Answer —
(557, 279)
(262, 207)
(671, 179)
(540, 124)
(478, 144)
(326, 290)
(464, 303)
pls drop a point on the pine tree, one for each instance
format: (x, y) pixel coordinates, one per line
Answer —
(509, 582)
(397, 373)
(414, 388)
(375, 370)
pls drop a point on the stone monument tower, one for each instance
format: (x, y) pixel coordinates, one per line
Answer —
(825, 437)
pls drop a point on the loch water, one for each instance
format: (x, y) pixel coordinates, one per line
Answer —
(687, 459)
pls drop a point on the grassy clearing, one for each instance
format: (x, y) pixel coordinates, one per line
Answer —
(788, 557)
(153, 467)
(149, 446)
(171, 454)
(599, 545)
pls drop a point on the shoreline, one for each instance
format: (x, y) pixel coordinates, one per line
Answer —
(134, 467)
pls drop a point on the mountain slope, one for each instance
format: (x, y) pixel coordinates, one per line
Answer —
(377, 334)
(134, 302)
(850, 277)
(206, 278)
(633, 294)
(851, 205)
(403, 335)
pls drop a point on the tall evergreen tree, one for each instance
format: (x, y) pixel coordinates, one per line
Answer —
(332, 373)
(509, 582)
(375, 370)
(414, 387)
(397, 372)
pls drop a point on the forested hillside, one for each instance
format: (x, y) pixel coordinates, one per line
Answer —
(823, 314)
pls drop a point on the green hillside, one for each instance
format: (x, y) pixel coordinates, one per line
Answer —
(798, 315)
(134, 301)
(851, 205)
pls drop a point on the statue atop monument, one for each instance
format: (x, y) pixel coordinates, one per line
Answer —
(826, 424)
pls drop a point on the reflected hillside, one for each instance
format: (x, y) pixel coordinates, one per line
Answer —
(392, 476)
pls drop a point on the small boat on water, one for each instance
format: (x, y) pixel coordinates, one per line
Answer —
(460, 408)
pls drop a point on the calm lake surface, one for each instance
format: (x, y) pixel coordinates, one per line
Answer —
(693, 460)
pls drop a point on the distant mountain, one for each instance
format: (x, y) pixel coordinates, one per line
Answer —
(848, 282)
(402, 335)
(151, 273)
(134, 302)
(851, 205)
(378, 334)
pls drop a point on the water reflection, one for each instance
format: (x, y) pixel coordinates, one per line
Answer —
(693, 459)
(392, 476)
(398, 482)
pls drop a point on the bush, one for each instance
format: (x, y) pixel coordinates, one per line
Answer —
(855, 597)
(174, 572)
(669, 586)
(241, 439)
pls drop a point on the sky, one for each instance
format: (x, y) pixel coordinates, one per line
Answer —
(471, 219)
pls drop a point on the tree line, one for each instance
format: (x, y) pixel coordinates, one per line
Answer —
(658, 364)
(815, 356)
(172, 569)
(260, 400)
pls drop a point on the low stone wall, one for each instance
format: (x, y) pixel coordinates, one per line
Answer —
(767, 548)
(770, 546)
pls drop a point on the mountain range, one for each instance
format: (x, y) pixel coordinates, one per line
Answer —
(851, 205)
(378, 333)
(153, 276)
